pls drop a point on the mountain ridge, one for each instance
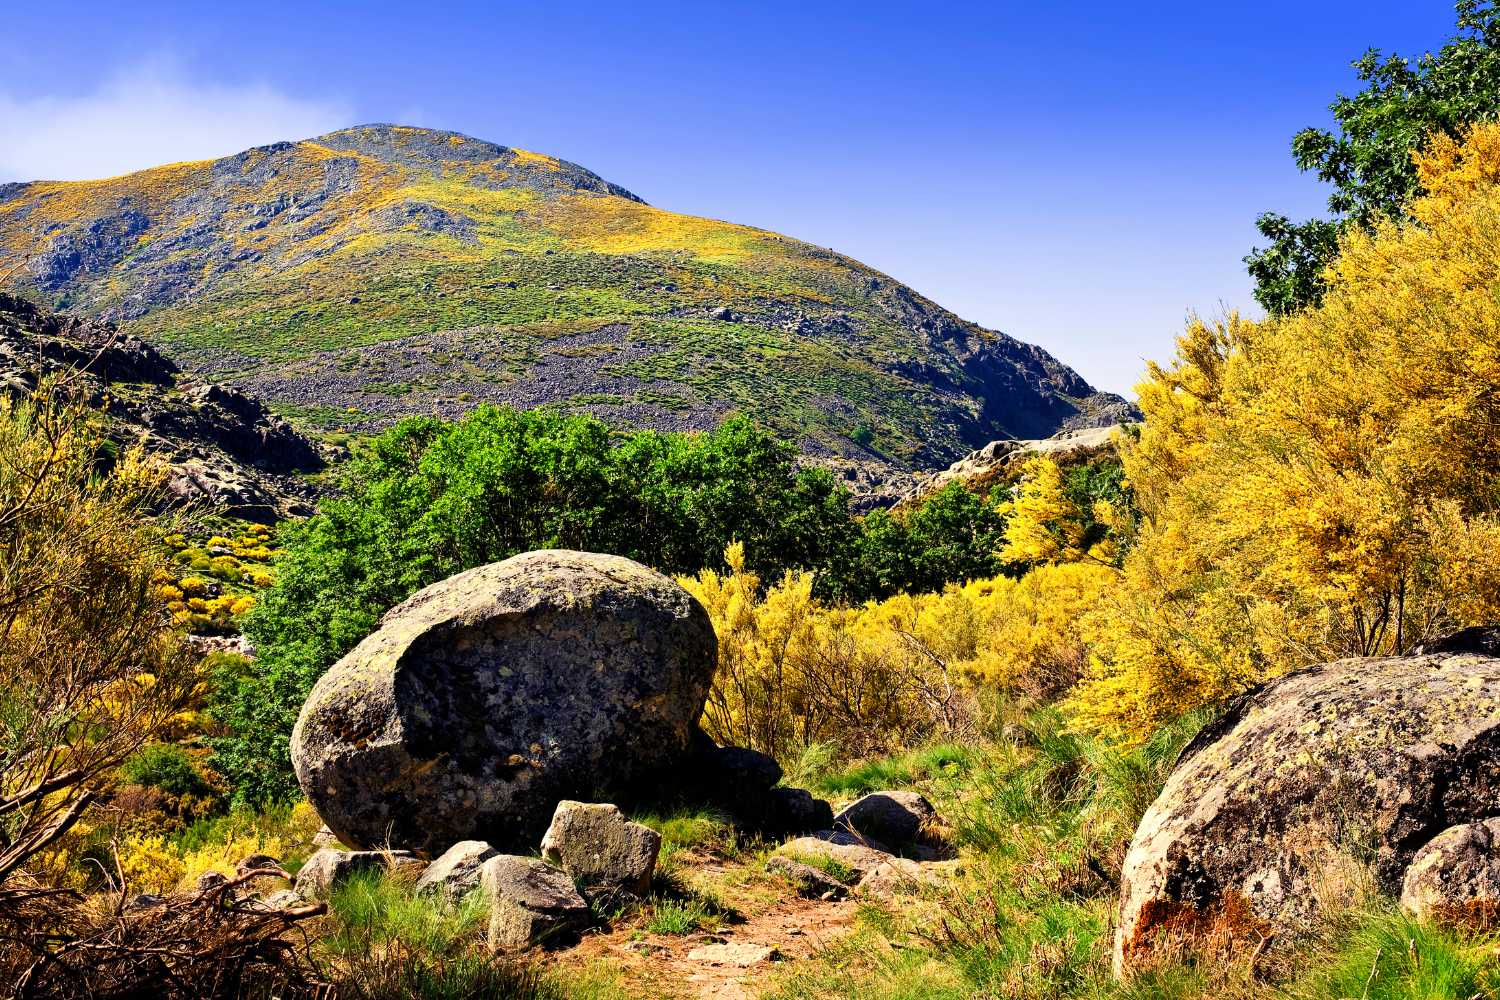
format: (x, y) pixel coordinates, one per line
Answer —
(379, 271)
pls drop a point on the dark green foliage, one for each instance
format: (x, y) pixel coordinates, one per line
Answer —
(1368, 157)
(168, 767)
(429, 499)
(1100, 479)
(952, 537)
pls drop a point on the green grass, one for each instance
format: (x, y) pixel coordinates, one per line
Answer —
(1042, 818)
(681, 916)
(943, 760)
(692, 828)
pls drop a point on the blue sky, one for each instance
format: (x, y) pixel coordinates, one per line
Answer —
(1080, 176)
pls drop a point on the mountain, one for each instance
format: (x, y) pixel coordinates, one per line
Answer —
(221, 447)
(381, 271)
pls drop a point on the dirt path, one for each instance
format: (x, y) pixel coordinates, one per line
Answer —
(729, 963)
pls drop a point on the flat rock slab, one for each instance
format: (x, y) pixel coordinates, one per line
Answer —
(484, 700)
(836, 845)
(1455, 879)
(600, 848)
(1259, 808)
(737, 954)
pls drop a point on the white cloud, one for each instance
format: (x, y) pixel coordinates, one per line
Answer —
(148, 115)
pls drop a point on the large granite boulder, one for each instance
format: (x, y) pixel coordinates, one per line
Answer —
(1455, 879)
(483, 700)
(1357, 759)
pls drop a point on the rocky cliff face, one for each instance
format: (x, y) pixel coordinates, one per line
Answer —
(382, 271)
(224, 448)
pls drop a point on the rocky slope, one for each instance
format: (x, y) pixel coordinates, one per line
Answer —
(224, 448)
(381, 271)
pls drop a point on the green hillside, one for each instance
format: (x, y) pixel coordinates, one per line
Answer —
(382, 271)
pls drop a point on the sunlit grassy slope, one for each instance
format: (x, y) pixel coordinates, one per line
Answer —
(382, 270)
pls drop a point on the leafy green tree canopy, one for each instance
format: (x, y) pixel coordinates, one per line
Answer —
(1368, 156)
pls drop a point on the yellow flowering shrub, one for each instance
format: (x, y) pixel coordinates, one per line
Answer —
(1323, 484)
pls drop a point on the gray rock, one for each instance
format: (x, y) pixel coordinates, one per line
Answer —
(1455, 879)
(209, 881)
(1368, 756)
(894, 817)
(795, 810)
(839, 847)
(485, 699)
(530, 902)
(740, 954)
(600, 848)
(810, 882)
(256, 862)
(325, 838)
(281, 899)
(456, 872)
(327, 868)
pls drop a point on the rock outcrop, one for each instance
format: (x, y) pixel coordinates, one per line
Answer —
(485, 699)
(1455, 879)
(222, 447)
(1363, 757)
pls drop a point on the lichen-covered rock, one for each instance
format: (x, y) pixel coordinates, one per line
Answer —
(600, 848)
(483, 700)
(456, 871)
(327, 868)
(530, 902)
(1374, 754)
(894, 817)
(1455, 879)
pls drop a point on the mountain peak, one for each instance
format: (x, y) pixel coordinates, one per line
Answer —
(440, 150)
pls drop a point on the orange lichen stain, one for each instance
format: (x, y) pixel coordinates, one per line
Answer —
(1167, 931)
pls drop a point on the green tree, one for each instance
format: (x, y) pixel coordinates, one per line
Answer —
(1368, 156)
(430, 499)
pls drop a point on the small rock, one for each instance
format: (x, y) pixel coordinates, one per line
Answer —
(325, 838)
(740, 955)
(209, 881)
(598, 846)
(281, 899)
(456, 872)
(1455, 879)
(530, 902)
(810, 882)
(794, 810)
(145, 901)
(895, 817)
(255, 862)
(895, 877)
(328, 867)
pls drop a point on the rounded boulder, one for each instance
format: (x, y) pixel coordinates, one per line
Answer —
(1305, 781)
(484, 699)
